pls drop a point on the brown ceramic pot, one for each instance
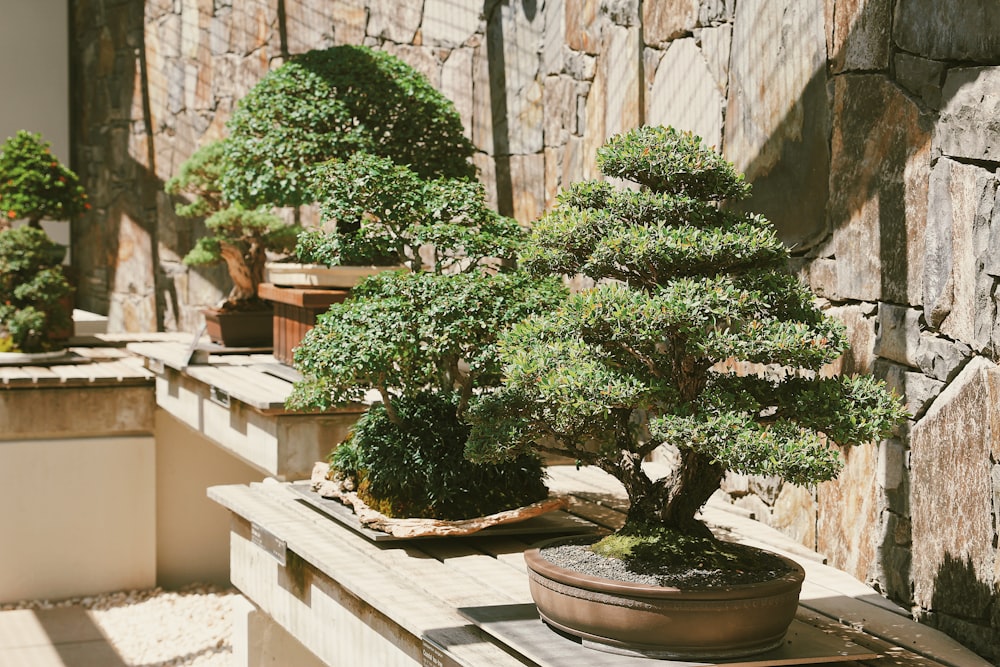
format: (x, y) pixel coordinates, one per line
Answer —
(250, 328)
(662, 622)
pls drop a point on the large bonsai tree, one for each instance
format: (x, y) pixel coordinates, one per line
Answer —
(34, 184)
(32, 288)
(330, 103)
(637, 361)
(237, 235)
(424, 341)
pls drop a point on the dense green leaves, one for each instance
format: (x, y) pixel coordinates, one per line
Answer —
(378, 212)
(32, 286)
(402, 332)
(415, 467)
(331, 103)
(684, 290)
(671, 161)
(34, 184)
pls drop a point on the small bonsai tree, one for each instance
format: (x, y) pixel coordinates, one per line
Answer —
(330, 103)
(35, 185)
(636, 362)
(378, 212)
(238, 236)
(32, 285)
(425, 342)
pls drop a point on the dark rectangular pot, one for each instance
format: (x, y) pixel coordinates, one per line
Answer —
(252, 328)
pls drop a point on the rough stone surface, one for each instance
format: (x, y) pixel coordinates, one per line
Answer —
(715, 45)
(554, 49)
(684, 93)
(917, 389)
(953, 548)
(395, 20)
(891, 464)
(667, 20)
(860, 356)
(898, 333)
(860, 35)
(780, 139)
(449, 23)
(514, 40)
(623, 55)
(957, 291)
(457, 85)
(795, 514)
(560, 109)
(848, 528)
(583, 29)
(936, 30)
(970, 114)
(878, 190)
(527, 173)
(921, 76)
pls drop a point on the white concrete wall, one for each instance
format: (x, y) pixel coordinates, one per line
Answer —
(192, 532)
(77, 517)
(34, 77)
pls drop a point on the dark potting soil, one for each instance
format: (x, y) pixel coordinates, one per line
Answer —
(746, 565)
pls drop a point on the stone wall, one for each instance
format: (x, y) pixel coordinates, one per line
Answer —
(868, 127)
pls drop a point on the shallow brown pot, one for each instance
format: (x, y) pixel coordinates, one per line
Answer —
(251, 328)
(664, 622)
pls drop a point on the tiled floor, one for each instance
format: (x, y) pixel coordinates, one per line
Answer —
(63, 637)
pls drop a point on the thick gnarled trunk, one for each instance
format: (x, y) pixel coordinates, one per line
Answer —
(671, 502)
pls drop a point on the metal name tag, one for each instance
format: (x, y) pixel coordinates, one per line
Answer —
(267, 541)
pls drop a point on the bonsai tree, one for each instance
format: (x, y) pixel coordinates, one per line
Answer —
(32, 285)
(378, 212)
(34, 184)
(238, 236)
(424, 341)
(330, 103)
(637, 362)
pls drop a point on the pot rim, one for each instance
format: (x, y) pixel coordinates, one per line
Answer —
(536, 563)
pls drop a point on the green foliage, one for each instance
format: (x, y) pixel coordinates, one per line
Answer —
(636, 362)
(34, 184)
(415, 468)
(384, 213)
(31, 287)
(424, 340)
(402, 332)
(331, 103)
(237, 235)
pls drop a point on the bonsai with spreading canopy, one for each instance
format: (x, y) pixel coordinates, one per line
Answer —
(422, 339)
(637, 362)
(237, 235)
(331, 103)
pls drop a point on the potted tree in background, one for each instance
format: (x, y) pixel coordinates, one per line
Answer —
(636, 363)
(423, 341)
(33, 289)
(238, 236)
(35, 185)
(329, 104)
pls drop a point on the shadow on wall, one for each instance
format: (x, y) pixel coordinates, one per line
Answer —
(960, 604)
(127, 261)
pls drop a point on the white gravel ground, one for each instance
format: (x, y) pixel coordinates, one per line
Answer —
(160, 628)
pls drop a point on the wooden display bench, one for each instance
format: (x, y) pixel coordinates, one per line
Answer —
(325, 594)
(236, 399)
(295, 311)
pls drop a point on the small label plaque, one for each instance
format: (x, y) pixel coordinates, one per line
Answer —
(267, 541)
(436, 656)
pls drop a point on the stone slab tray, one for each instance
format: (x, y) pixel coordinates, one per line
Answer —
(554, 523)
(519, 627)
